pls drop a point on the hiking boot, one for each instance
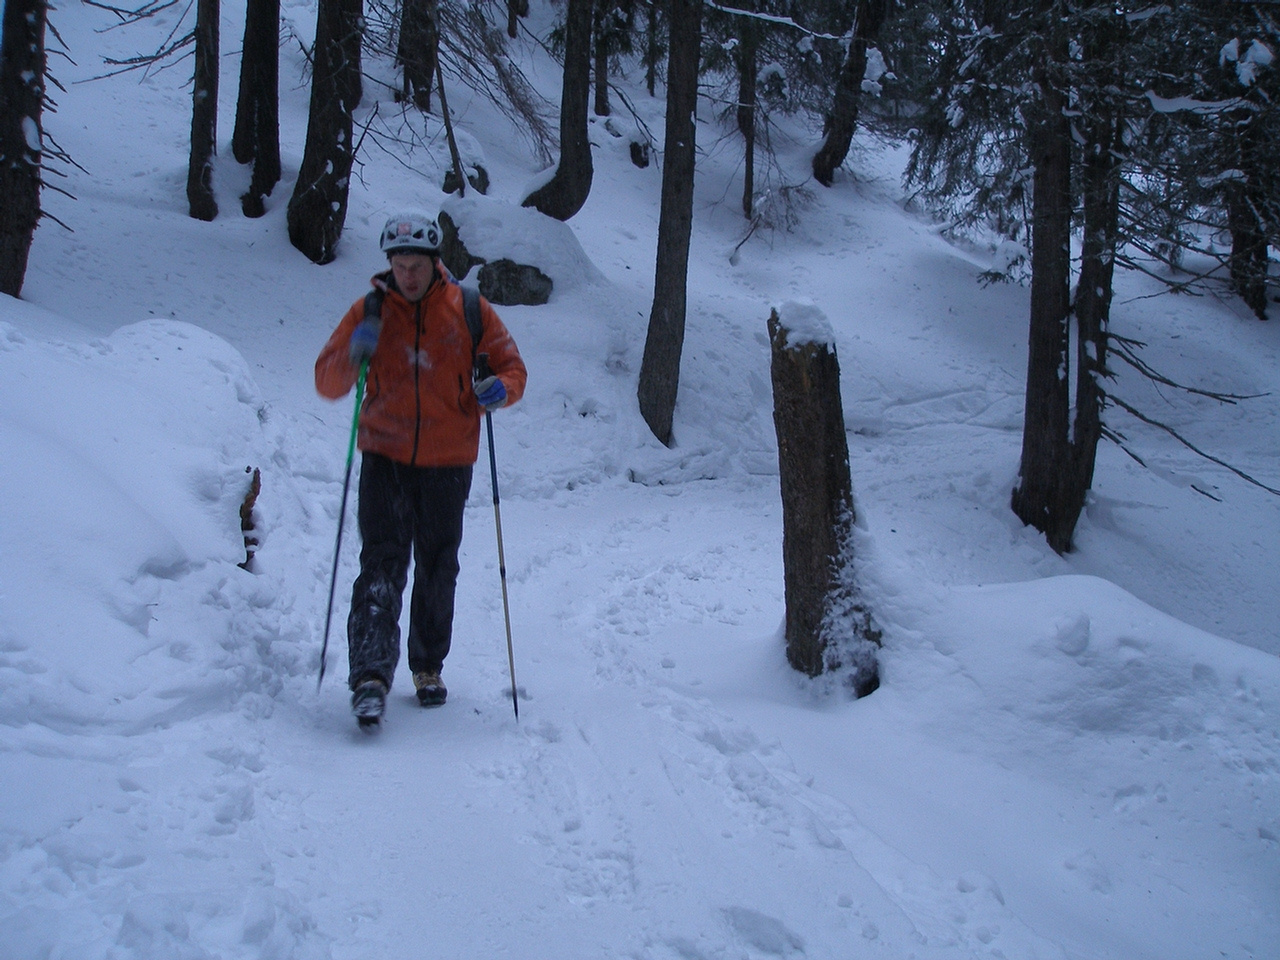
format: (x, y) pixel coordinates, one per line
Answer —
(431, 689)
(368, 701)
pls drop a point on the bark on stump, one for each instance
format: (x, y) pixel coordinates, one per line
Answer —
(817, 512)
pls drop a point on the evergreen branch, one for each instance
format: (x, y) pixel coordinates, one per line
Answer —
(778, 21)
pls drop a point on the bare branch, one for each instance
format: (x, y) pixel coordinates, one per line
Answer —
(1186, 443)
(131, 16)
(1123, 348)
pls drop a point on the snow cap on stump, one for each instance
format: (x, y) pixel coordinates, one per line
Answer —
(805, 323)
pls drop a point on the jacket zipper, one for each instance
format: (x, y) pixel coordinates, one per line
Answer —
(417, 386)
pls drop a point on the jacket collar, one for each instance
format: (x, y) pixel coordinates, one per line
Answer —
(386, 281)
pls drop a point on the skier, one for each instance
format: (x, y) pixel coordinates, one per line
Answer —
(419, 435)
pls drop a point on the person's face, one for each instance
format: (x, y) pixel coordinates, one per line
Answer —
(413, 273)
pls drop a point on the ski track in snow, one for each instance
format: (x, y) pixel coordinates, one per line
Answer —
(579, 823)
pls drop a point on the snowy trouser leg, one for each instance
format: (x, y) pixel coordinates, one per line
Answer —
(373, 627)
(441, 497)
(405, 511)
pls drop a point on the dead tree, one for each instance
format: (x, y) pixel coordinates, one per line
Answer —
(828, 627)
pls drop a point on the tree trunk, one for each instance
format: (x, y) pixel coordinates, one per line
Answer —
(652, 48)
(1247, 151)
(256, 138)
(1038, 498)
(454, 156)
(564, 194)
(660, 367)
(748, 75)
(22, 67)
(204, 113)
(817, 491)
(1248, 262)
(418, 50)
(826, 625)
(318, 207)
(1101, 124)
(843, 119)
(1092, 311)
(515, 10)
(351, 37)
(601, 57)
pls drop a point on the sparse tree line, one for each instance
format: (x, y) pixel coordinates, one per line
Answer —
(1084, 135)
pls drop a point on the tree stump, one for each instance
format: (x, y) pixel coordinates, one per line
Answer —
(827, 625)
(247, 525)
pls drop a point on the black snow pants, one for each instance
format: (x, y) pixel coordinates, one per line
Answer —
(405, 511)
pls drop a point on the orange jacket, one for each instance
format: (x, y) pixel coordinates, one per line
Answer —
(419, 406)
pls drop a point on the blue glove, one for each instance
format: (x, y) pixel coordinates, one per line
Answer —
(492, 393)
(364, 340)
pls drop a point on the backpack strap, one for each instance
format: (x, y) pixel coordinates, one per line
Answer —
(471, 311)
(373, 304)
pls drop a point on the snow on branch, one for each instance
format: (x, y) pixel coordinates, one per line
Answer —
(779, 21)
(1190, 104)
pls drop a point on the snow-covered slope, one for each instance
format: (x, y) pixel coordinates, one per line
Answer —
(1069, 757)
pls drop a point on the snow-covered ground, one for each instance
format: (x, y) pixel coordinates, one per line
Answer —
(1069, 757)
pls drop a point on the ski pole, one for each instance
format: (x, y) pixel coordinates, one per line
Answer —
(342, 515)
(482, 365)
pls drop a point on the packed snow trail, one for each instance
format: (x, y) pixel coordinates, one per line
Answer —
(557, 810)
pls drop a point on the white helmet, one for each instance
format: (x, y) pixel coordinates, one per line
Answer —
(410, 233)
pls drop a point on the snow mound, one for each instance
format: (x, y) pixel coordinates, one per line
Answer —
(494, 230)
(127, 460)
